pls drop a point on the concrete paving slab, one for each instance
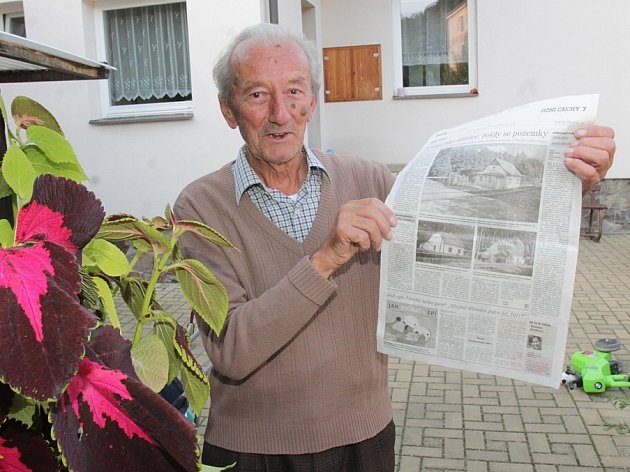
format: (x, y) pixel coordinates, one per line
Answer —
(453, 420)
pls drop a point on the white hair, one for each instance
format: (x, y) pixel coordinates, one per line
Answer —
(265, 33)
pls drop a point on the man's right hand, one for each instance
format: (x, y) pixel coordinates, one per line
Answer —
(360, 225)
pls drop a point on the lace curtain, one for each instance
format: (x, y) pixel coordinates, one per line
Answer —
(149, 48)
(429, 32)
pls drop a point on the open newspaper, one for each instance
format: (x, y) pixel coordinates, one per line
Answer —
(479, 273)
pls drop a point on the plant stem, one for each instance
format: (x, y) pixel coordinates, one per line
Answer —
(135, 260)
(158, 267)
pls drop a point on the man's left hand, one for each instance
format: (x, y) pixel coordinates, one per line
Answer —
(591, 154)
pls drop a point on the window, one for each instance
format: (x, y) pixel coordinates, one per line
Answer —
(14, 23)
(148, 45)
(436, 47)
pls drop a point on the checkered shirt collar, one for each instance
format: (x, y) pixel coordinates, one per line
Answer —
(245, 177)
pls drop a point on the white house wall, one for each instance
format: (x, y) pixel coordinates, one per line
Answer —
(527, 50)
(140, 167)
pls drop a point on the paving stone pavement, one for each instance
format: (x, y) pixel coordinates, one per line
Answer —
(454, 420)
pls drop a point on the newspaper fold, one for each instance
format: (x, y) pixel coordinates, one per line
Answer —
(479, 274)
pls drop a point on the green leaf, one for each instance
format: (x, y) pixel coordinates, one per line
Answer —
(205, 232)
(3, 110)
(211, 468)
(166, 332)
(5, 190)
(205, 293)
(168, 214)
(197, 391)
(18, 172)
(106, 256)
(53, 144)
(27, 111)
(194, 380)
(89, 291)
(23, 409)
(176, 253)
(129, 228)
(107, 300)
(150, 360)
(133, 292)
(6, 234)
(141, 245)
(157, 222)
(43, 165)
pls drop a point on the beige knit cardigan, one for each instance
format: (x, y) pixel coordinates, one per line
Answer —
(295, 369)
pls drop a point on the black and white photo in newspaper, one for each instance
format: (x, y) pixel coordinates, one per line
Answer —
(479, 273)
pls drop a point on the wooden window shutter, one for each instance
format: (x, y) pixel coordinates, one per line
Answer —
(352, 73)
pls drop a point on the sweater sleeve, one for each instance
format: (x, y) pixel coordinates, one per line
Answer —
(256, 329)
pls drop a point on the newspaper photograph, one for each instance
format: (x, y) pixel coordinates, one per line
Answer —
(479, 273)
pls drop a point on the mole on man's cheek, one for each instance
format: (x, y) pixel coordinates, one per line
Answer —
(303, 112)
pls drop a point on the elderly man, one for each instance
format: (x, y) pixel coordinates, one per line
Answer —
(297, 382)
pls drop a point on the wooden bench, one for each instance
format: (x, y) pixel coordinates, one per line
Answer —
(596, 213)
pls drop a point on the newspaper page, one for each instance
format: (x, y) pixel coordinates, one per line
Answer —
(479, 273)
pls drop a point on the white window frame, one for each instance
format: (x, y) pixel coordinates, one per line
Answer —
(10, 10)
(432, 91)
(147, 110)
(7, 17)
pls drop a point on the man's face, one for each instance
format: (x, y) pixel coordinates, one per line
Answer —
(272, 100)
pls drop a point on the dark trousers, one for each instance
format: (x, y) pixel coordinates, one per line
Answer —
(372, 455)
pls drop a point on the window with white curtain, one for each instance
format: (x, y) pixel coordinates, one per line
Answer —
(435, 42)
(148, 45)
(147, 42)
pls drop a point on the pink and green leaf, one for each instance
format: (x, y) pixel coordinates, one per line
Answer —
(61, 211)
(41, 370)
(108, 347)
(39, 282)
(106, 412)
(23, 449)
(24, 273)
(41, 318)
(102, 390)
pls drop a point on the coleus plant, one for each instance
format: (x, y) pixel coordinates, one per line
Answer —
(161, 353)
(74, 394)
